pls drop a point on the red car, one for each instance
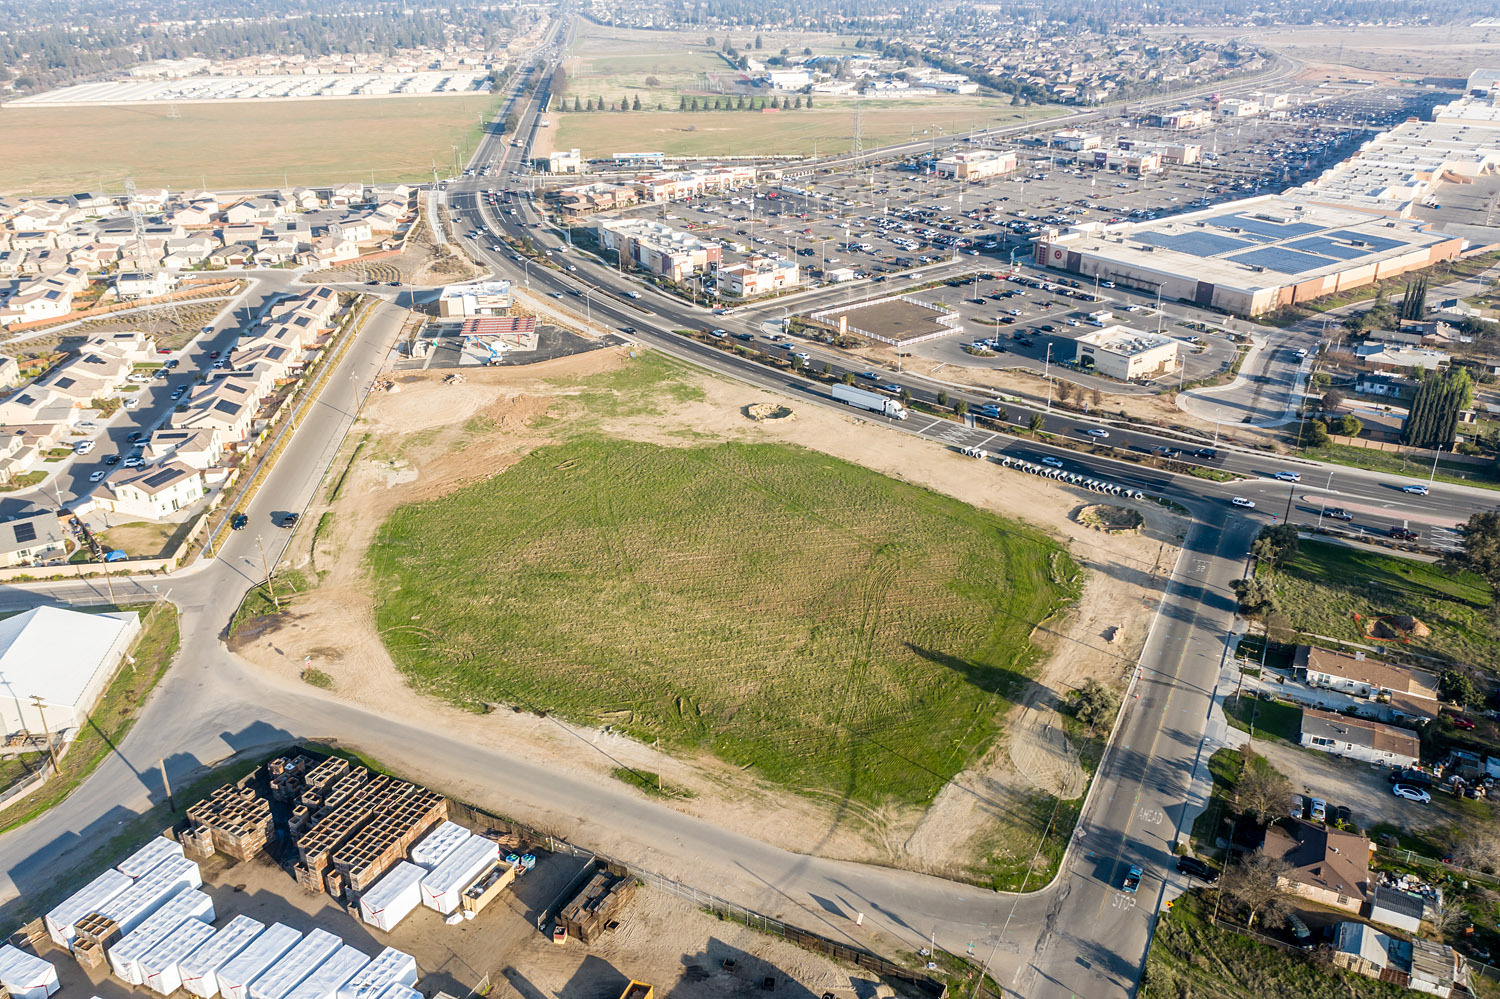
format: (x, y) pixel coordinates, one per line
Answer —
(1459, 721)
(214, 354)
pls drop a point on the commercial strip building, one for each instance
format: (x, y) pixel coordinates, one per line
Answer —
(757, 276)
(565, 161)
(657, 247)
(1249, 257)
(977, 164)
(477, 298)
(1126, 354)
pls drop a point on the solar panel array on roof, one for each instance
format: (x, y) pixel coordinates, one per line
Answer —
(1279, 258)
(162, 478)
(1200, 244)
(1328, 247)
(227, 406)
(25, 531)
(1377, 243)
(1265, 227)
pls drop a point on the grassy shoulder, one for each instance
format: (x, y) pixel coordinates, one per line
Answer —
(833, 629)
(112, 718)
(1191, 958)
(1486, 476)
(263, 601)
(1338, 591)
(1265, 719)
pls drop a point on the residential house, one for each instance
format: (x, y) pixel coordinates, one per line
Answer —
(132, 345)
(233, 255)
(1386, 357)
(13, 262)
(10, 370)
(275, 251)
(198, 447)
(1385, 386)
(256, 211)
(1420, 965)
(355, 229)
(192, 216)
(143, 284)
(305, 198)
(155, 492)
(222, 404)
(1396, 692)
(1359, 738)
(1325, 865)
(345, 195)
(37, 407)
(36, 306)
(276, 360)
(328, 251)
(247, 234)
(32, 538)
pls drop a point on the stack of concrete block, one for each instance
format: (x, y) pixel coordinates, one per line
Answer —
(597, 904)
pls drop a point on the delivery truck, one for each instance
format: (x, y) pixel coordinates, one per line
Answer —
(872, 401)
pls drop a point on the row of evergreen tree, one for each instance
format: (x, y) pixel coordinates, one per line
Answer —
(1432, 421)
(685, 103)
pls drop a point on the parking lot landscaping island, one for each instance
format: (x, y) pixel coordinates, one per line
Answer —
(826, 626)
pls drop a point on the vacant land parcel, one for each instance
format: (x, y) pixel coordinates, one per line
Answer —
(830, 627)
(227, 145)
(1344, 592)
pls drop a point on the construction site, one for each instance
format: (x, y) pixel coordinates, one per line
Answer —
(314, 877)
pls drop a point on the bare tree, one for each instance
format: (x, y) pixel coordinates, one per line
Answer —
(1479, 847)
(1445, 917)
(1261, 792)
(1253, 882)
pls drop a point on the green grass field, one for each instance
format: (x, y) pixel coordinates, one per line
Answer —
(233, 145)
(826, 128)
(1326, 585)
(835, 630)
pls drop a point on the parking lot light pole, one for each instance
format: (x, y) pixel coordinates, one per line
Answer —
(1047, 374)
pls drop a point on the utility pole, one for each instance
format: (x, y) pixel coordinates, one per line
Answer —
(260, 543)
(36, 701)
(162, 763)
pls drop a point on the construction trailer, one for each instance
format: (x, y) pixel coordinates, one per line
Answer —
(90, 898)
(236, 976)
(161, 966)
(598, 903)
(125, 956)
(390, 967)
(393, 897)
(200, 969)
(443, 888)
(26, 976)
(291, 968)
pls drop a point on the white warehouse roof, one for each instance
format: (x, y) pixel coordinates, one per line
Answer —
(63, 656)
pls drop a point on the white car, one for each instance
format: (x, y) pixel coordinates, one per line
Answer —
(97, 476)
(1416, 490)
(1240, 501)
(1054, 462)
(132, 403)
(1289, 476)
(1097, 432)
(1411, 793)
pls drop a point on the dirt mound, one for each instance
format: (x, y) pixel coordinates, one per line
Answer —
(1111, 519)
(1401, 626)
(761, 411)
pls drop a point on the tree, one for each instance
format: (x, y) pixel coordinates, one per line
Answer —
(1093, 703)
(1457, 687)
(961, 408)
(807, 103)
(806, 51)
(1256, 596)
(1481, 548)
(848, 378)
(1261, 792)
(1348, 425)
(797, 104)
(758, 42)
(709, 41)
(576, 105)
(1479, 846)
(1414, 301)
(1276, 544)
(1253, 882)
(906, 395)
(1332, 400)
(635, 105)
(796, 363)
(785, 52)
(1036, 423)
(1317, 433)
(1064, 391)
(1441, 396)
(942, 397)
(1003, 415)
(652, 82)
(1096, 397)
(624, 103)
(682, 103)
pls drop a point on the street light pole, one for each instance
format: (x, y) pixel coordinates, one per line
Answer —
(1324, 505)
(1047, 375)
(1433, 474)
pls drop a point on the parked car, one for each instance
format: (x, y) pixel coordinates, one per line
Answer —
(1318, 810)
(97, 476)
(1132, 879)
(1415, 778)
(290, 520)
(1297, 807)
(1459, 721)
(239, 522)
(1411, 793)
(1195, 868)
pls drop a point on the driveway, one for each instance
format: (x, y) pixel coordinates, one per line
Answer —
(1360, 786)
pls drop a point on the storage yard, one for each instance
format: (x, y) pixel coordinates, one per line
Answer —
(295, 883)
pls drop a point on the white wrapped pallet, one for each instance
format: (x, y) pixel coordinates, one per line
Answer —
(200, 969)
(161, 968)
(393, 897)
(90, 898)
(436, 845)
(148, 856)
(295, 965)
(150, 890)
(125, 955)
(26, 976)
(390, 967)
(443, 889)
(330, 976)
(249, 964)
(399, 991)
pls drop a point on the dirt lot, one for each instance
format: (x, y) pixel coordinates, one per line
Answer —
(423, 262)
(1380, 53)
(662, 940)
(427, 438)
